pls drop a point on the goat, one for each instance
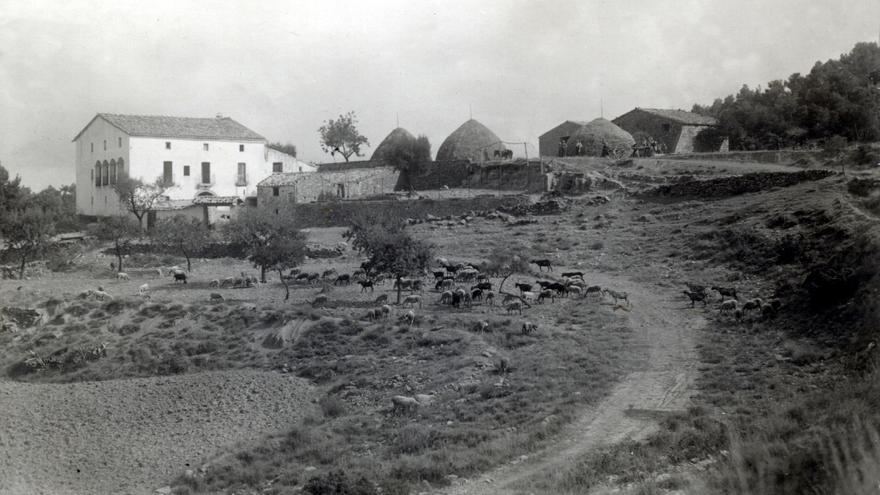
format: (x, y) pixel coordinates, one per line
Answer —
(574, 289)
(546, 294)
(695, 296)
(416, 285)
(529, 327)
(523, 287)
(696, 288)
(216, 297)
(386, 311)
(408, 316)
(328, 273)
(579, 275)
(483, 286)
(382, 298)
(401, 404)
(490, 298)
(514, 306)
(371, 315)
(728, 305)
(143, 289)
(593, 289)
(122, 276)
(726, 291)
(412, 300)
(403, 284)
(446, 297)
(752, 304)
(543, 263)
(301, 276)
(343, 280)
(767, 311)
(559, 288)
(366, 283)
(477, 295)
(508, 298)
(543, 284)
(214, 283)
(314, 277)
(481, 326)
(180, 277)
(530, 296)
(439, 275)
(617, 295)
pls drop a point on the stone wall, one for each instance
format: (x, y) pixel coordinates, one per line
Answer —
(732, 186)
(767, 156)
(339, 213)
(343, 184)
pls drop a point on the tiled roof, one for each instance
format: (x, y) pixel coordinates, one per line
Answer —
(681, 116)
(178, 127)
(217, 200)
(282, 179)
(172, 204)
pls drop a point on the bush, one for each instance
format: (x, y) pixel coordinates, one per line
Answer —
(337, 483)
(331, 406)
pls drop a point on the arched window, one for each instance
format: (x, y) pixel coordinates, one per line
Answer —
(105, 179)
(120, 168)
(112, 172)
(97, 173)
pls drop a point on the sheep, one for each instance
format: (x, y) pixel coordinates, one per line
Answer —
(158, 272)
(767, 311)
(313, 277)
(403, 284)
(412, 300)
(546, 294)
(122, 276)
(301, 276)
(408, 316)
(579, 275)
(446, 297)
(729, 305)
(214, 283)
(382, 298)
(401, 404)
(482, 286)
(416, 285)
(529, 327)
(577, 283)
(559, 288)
(752, 304)
(439, 275)
(574, 289)
(366, 283)
(386, 311)
(372, 315)
(477, 295)
(696, 288)
(320, 300)
(726, 291)
(695, 296)
(530, 296)
(617, 295)
(593, 289)
(481, 326)
(543, 263)
(328, 273)
(100, 294)
(509, 298)
(216, 297)
(523, 287)
(343, 280)
(143, 289)
(514, 306)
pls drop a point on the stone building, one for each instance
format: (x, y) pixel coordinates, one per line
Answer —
(548, 143)
(676, 130)
(336, 182)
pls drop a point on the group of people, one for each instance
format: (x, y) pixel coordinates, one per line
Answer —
(579, 148)
(648, 147)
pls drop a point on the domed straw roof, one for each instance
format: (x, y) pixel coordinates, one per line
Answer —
(471, 141)
(397, 137)
(591, 135)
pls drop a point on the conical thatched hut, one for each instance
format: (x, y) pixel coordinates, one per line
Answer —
(472, 141)
(397, 137)
(592, 134)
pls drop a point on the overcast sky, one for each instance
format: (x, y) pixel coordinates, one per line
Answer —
(282, 68)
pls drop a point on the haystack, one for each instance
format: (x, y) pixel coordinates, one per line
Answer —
(472, 141)
(592, 134)
(398, 137)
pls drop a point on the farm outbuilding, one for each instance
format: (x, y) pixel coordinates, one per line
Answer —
(599, 137)
(549, 142)
(471, 141)
(674, 130)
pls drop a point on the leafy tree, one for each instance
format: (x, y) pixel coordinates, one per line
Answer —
(137, 197)
(12, 194)
(121, 230)
(388, 246)
(507, 261)
(288, 148)
(28, 233)
(272, 241)
(407, 155)
(183, 234)
(341, 136)
(60, 205)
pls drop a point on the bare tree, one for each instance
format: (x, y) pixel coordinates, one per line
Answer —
(28, 233)
(121, 231)
(137, 197)
(186, 235)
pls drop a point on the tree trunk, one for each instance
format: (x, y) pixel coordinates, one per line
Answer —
(399, 285)
(118, 257)
(501, 285)
(284, 282)
(263, 274)
(23, 264)
(188, 262)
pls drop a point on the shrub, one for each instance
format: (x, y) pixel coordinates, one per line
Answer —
(337, 483)
(332, 406)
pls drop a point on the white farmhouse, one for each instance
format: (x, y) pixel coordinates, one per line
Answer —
(208, 161)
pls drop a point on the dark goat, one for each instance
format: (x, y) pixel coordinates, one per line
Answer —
(543, 263)
(365, 284)
(695, 296)
(343, 280)
(726, 291)
(524, 287)
(180, 277)
(483, 286)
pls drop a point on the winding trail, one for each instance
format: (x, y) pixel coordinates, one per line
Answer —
(631, 410)
(131, 436)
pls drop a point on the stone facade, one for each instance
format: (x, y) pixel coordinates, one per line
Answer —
(548, 143)
(354, 183)
(676, 129)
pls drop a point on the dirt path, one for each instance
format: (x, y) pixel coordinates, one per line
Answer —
(663, 385)
(134, 435)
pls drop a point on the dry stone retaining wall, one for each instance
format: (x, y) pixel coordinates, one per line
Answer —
(732, 186)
